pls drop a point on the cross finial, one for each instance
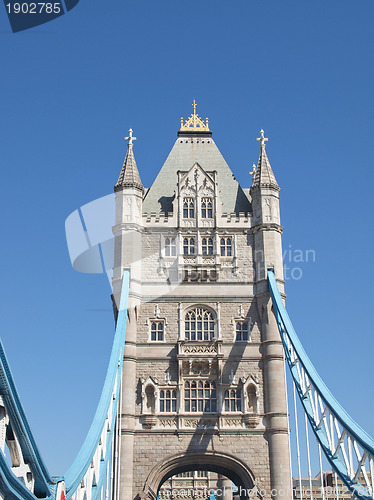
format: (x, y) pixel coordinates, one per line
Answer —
(194, 107)
(262, 139)
(130, 138)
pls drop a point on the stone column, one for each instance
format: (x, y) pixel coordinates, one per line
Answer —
(128, 407)
(275, 402)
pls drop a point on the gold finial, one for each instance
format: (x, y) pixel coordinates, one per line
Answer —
(194, 122)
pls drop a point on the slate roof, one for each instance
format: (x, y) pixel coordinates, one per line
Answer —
(264, 175)
(129, 176)
(185, 153)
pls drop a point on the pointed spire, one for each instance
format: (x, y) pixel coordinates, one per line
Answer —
(263, 175)
(129, 176)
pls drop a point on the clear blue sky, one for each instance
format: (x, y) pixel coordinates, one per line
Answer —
(71, 89)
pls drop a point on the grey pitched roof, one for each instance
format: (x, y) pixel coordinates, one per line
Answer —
(185, 153)
(264, 175)
(129, 176)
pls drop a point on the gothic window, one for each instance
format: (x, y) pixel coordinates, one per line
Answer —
(188, 208)
(199, 325)
(207, 246)
(170, 247)
(226, 247)
(168, 400)
(233, 400)
(189, 246)
(157, 331)
(242, 331)
(206, 208)
(200, 396)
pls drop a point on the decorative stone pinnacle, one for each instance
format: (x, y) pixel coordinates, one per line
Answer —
(194, 122)
(262, 139)
(253, 169)
(130, 138)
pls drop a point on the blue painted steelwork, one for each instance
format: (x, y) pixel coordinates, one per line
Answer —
(354, 450)
(18, 427)
(106, 410)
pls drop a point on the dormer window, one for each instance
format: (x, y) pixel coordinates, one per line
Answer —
(188, 208)
(207, 246)
(206, 208)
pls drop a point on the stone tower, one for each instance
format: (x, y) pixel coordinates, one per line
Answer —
(203, 383)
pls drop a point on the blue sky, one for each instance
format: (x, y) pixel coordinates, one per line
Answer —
(71, 89)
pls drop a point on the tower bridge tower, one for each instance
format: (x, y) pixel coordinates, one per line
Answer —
(203, 381)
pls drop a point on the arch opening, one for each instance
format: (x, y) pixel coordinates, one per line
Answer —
(222, 469)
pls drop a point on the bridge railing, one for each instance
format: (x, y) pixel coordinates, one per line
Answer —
(90, 476)
(25, 474)
(347, 447)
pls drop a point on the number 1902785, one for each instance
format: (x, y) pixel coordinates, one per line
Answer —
(34, 8)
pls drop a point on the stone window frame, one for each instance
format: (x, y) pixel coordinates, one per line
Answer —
(164, 399)
(199, 398)
(205, 308)
(170, 246)
(230, 397)
(188, 207)
(241, 318)
(206, 206)
(207, 245)
(157, 331)
(242, 322)
(156, 318)
(225, 246)
(187, 246)
(172, 237)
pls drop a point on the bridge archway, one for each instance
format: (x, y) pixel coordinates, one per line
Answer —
(226, 465)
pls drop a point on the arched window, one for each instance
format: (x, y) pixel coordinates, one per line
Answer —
(170, 247)
(206, 208)
(242, 331)
(189, 246)
(199, 325)
(168, 400)
(207, 246)
(200, 396)
(233, 400)
(188, 208)
(226, 247)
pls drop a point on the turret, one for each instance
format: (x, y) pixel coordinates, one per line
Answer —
(267, 228)
(127, 232)
(129, 192)
(268, 254)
